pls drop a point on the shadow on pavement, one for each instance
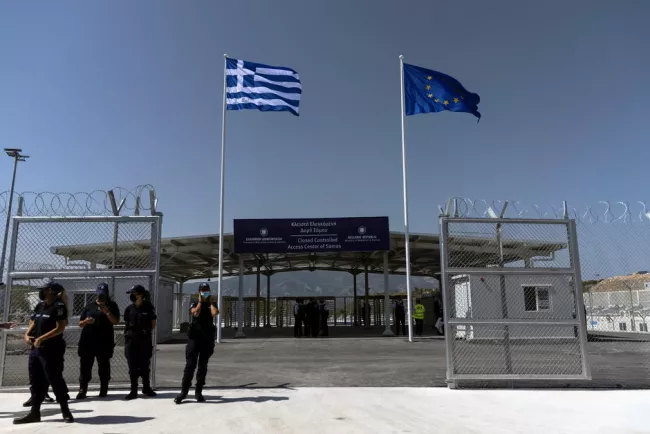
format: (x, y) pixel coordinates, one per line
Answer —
(45, 412)
(248, 386)
(218, 399)
(110, 420)
(256, 399)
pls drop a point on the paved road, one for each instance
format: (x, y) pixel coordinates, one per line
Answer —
(368, 362)
(372, 362)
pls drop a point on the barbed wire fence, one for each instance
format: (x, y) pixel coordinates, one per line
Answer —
(614, 250)
(134, 201)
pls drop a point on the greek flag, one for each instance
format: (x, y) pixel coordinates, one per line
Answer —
(253, 86)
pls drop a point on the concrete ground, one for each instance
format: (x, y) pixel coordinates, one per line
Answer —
(363, 362)
(349, 410)
(381, 362)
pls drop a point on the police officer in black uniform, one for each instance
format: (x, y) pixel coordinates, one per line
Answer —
(97, 340)
(324, 313)
(200, 343)
(139, 323)
(45, 336)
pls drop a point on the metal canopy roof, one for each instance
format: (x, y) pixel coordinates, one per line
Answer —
(194, 257)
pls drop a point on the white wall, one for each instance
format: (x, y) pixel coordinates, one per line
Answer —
(485, 303)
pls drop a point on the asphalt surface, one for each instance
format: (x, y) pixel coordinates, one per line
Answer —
(369, 362)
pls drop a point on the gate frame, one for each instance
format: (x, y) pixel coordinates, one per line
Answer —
(152, 274)
(572, 271)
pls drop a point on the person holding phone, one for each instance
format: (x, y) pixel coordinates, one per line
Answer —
(97, 340)
(200, 343)
(45, 337)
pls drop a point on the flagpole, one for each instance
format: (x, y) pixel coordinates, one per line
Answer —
(406, 210)
(223, 167)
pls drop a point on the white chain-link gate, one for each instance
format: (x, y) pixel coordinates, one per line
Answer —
(119, 250)
(513, 306)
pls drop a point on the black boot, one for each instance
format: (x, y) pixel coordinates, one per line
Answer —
(83, 391)
(198, 394)
(47, 400)
(103, 390)
(65, 412)
(32, 417)
(181, 396)
(147, 390)
(134, 389)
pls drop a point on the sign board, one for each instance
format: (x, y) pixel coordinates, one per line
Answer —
(345, 234)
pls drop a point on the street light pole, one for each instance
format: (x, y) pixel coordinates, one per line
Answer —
(17, 155)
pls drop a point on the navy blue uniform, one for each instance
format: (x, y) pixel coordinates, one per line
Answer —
(200, 346)
(138, 347)
(97, 342)
(46, 362)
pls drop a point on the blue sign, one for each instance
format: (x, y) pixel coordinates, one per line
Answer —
(345, 234)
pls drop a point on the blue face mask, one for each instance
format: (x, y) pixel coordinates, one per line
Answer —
(205, 294)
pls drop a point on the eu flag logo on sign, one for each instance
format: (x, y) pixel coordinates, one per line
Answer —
(428, 91)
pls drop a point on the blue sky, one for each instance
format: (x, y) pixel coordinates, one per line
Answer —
(123, 93)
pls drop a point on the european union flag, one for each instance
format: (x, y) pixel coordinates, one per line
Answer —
(428, 91)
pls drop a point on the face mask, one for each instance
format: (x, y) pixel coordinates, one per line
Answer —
(41, 294)
(205, 294)
(132, 297)
(101, 298)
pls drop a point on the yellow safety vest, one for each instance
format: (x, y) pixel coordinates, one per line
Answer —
(419, 311)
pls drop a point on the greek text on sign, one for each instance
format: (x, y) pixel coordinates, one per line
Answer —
(345, 234)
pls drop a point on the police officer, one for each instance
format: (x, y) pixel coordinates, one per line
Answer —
(418, 316)
(45, 336)
(139, 322)
(297, 317)
(97, 340)
(200, 343)
(400, 318)
(324, 313)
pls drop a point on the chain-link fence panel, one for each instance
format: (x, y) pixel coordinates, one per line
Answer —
(511, 302)
(613, 240)
(79, 253)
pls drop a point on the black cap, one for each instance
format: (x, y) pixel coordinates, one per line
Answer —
(102, 288)
(137, 289)
(53, 286)
(204, 286)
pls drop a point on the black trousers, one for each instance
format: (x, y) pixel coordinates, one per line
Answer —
(86, 362)
(324, 331)
(400, 325)
(313, 328)
(419, 326)
(138, 354)
(197, 356)
(306, 323)
(46, 368)
(297, 326)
